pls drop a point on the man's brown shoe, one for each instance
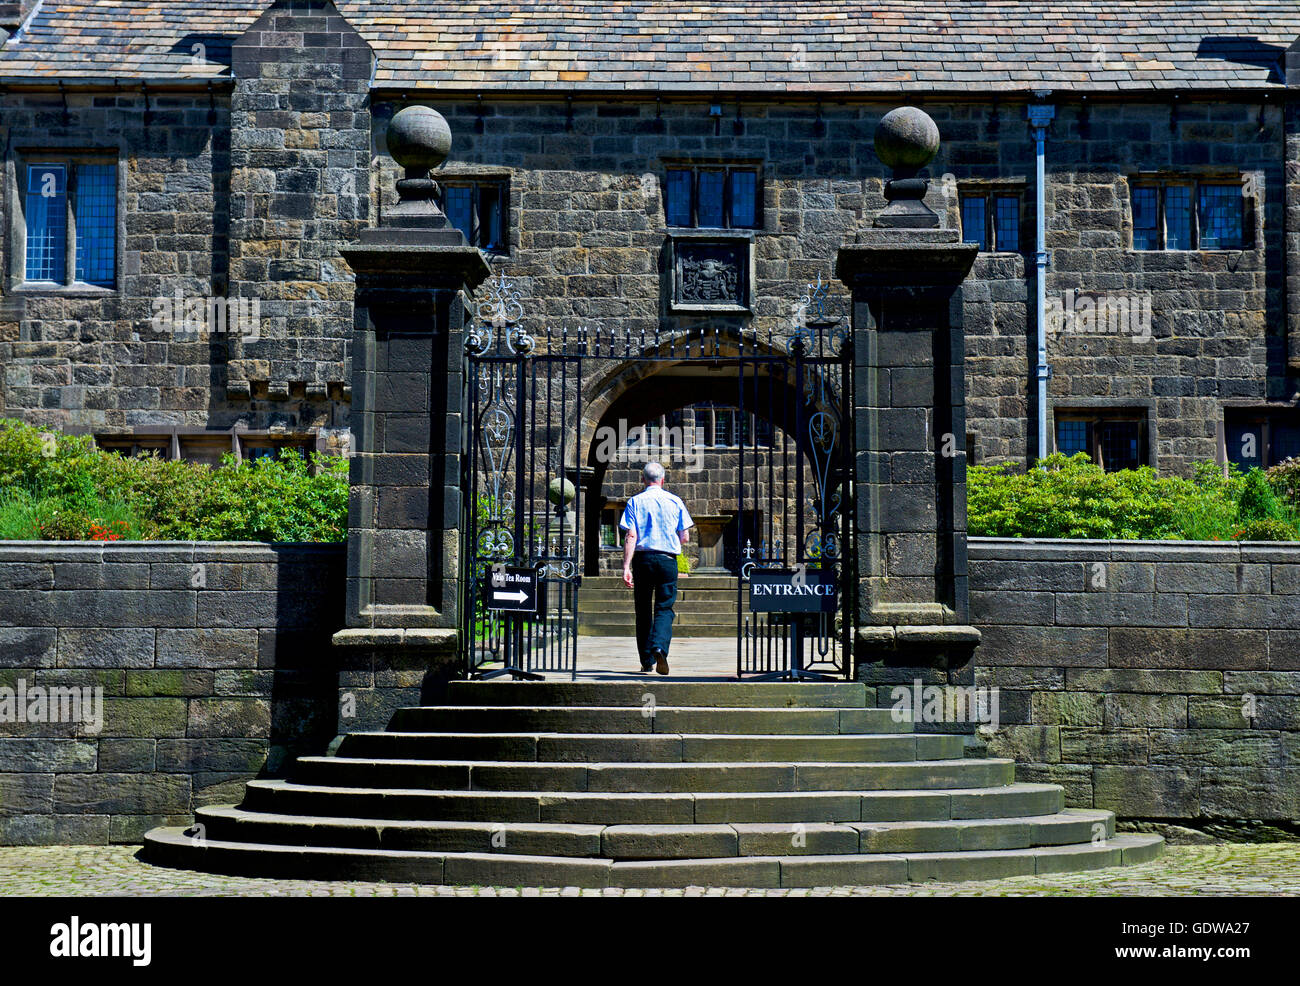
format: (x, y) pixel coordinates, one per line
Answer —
(661, 661)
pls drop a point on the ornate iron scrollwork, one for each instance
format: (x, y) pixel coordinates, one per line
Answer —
(499, 313)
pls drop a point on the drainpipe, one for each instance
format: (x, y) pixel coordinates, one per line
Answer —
(1291, 212)
(1040, 118)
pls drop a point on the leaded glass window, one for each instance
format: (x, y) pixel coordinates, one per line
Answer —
(70, 223)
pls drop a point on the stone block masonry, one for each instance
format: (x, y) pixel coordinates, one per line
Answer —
(1160, 680)
(212, 662)
(257, 202)
(300, 161)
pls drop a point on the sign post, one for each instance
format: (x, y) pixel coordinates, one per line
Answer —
(513, 592)
(797, 594)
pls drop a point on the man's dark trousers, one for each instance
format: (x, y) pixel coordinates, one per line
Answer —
(654, 591)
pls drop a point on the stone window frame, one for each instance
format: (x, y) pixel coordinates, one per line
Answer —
(1262, 415)
(30, 147)
(696, 164)
(501, 177)
(612, 511)
(1252, 238)
(1143, 410)
(992, 189)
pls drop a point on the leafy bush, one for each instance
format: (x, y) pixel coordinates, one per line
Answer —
(61, 487)
(1071, 497)
(1268, 529)
(1285, 480)
(1257, 500)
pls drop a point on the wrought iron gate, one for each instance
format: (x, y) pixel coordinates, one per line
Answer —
(526, 463)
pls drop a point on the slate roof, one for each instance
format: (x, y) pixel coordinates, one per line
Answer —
(756, 45)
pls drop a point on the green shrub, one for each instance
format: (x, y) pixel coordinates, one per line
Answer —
(1285, 481)
(1070, 497)
(62, 487)
(1074, 498)
(1268, 529)
(1257, 500)
(275, 500)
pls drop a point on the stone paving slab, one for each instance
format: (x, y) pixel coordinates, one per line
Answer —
(1221, 870)
(690, 658)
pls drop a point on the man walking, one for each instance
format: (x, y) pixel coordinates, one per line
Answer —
(656, 523)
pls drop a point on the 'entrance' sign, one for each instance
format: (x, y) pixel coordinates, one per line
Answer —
(512, 589)
(781, 590)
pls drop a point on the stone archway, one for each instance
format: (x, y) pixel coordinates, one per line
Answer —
(714, 396)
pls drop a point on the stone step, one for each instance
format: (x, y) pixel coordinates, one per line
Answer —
(651, 748)
(680, 694)
(687, 594)
(614, 628)
(694, 582)
(699, 613)
(1072, 826)
(459, 775)
(611, 808)
(172, 847)
(655, 718)
(683, 620)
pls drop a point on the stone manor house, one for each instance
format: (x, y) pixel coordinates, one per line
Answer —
(206, 242)
(174, 206)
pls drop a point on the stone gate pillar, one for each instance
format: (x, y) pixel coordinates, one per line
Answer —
(905, 274)
(405, 509)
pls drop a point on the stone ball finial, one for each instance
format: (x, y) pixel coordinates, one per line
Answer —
(418, 139)
(907, 139)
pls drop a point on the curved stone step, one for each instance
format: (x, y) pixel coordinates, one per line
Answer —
(650, 747)
(680, 694)
(658, 841)
(625, 777)
(609, 808)
(653, 718)
(171, 847)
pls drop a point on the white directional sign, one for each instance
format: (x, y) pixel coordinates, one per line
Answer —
(512, 589)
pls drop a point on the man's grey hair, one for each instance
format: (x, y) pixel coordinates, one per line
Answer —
(653, 472)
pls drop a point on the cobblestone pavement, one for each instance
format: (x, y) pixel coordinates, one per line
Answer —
(1215, 870)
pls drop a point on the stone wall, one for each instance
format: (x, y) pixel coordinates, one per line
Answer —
(214, 663)
(1123, 670)
(243, 194)
(252, 193)
(87, 360)
(300, 165)
(1160, 680)
(587, 238)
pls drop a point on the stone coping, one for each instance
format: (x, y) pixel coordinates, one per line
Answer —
(1061, 549)
(162, 551)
